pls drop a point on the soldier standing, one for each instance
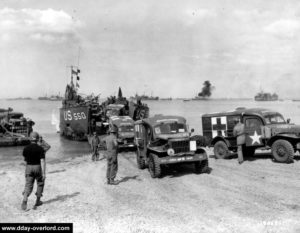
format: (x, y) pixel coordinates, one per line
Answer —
(239, 133)
(34, 156)
(94, 144)
(112, 157)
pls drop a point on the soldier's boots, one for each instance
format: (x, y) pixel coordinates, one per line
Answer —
(112, 182)
(38, 202)
(24, 205)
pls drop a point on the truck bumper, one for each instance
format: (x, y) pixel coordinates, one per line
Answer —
(183, 158)
(127, 145)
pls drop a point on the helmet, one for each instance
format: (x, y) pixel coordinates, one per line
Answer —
(34, 135)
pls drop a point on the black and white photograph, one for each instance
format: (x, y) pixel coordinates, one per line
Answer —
(144, 116)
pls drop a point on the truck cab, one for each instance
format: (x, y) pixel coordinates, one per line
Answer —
(264, 129)
(163, 140)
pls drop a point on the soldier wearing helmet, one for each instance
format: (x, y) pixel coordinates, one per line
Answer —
(112, 156)
(34, 156)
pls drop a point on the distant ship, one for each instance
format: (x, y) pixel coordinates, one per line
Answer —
(51, 98)
(170, 98)
(146, 97)
(264, 96)
(199, 98)
(19, 98)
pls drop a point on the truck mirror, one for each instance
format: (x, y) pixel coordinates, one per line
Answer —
(288, 120)
(192, 130)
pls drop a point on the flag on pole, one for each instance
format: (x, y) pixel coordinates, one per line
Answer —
(74, 72)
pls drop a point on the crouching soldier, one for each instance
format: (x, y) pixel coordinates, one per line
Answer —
(34, 156)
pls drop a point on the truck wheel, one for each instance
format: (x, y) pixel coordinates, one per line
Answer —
(154, 166)
(221, 150)
(283, 151)
(141, 163)
(201, 167)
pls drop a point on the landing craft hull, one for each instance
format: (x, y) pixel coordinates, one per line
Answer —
(74, 122)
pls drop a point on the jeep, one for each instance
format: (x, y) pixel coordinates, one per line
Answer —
(163, 140)
(265, 129)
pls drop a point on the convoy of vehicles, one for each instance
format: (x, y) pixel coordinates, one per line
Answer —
(81, 116)
(163, 140)
(264, 129)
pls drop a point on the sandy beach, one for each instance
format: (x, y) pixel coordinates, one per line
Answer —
(231, 198)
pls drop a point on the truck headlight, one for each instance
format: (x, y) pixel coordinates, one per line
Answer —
(170, 152)
(193, 145)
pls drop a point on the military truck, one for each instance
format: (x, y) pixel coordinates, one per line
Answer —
(125, 131)
(264, 128)
(14, 128)
(163, 140)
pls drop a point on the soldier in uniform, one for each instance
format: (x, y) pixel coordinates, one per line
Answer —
(112, 156)
(239, 133)
(94, 144)
(34, 156)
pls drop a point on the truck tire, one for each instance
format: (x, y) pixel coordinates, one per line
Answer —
(141, 163)
(154, 166)
(282, 151)
(221, 150)
(201, 167)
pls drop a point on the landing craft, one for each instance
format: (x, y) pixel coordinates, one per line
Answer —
(81, 116)
(14, 128)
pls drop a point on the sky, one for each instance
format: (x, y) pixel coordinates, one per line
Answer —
(163, 48)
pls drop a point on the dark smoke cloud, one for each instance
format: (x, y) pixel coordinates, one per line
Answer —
(206, 89)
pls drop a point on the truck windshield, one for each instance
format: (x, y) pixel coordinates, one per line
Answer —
(274, 118)
(112, 112)
(126, 128)
(170, 128)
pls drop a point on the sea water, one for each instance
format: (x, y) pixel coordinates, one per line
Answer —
(45, 114)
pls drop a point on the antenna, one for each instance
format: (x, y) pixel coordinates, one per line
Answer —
(78, 56)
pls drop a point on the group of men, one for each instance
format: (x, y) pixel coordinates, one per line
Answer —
(34, 156)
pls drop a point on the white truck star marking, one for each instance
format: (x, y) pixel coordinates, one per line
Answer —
(255, 138)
